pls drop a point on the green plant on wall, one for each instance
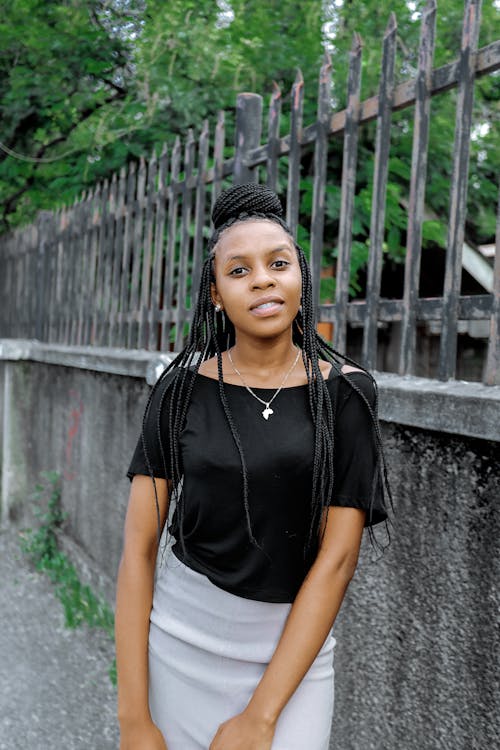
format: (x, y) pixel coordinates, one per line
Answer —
(40, 545)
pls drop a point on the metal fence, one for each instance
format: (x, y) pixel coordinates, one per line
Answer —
(117, 268)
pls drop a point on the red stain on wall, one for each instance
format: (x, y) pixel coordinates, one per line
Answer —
(75, 415)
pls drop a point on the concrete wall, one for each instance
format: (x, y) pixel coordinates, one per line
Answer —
(417, 636)
(417, 658)
(80, 416)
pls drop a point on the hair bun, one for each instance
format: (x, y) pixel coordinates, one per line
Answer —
(248, 198)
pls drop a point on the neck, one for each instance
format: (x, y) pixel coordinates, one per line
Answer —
(264, 357)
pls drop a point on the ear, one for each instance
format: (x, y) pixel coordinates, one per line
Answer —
(214, 295)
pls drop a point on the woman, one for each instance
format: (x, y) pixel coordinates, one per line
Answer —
(272, 452)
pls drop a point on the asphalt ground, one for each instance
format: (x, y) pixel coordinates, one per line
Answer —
(55, 691)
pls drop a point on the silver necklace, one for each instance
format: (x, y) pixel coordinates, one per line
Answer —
(267, 411)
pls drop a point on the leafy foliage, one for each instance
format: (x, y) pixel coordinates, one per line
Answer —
(40, 545)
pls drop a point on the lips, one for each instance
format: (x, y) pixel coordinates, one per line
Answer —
(266, 300)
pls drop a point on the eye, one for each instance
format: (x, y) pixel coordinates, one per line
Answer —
(236, 271)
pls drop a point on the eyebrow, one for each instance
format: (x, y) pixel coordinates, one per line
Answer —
(244, 257)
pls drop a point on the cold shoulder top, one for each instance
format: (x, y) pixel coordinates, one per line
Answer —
(279, 460)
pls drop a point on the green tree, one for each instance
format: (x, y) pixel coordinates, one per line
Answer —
(62, 65)
(86, 86)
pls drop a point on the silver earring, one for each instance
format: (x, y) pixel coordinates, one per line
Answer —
(218, 308)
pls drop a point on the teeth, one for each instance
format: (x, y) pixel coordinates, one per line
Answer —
(267, 304)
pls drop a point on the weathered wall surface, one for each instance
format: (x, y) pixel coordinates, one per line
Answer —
(83, 425)
(418, 639)
(417, 636)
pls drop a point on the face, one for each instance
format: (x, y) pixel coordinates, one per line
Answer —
(256, 264)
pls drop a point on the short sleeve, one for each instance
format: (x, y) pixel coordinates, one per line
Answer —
(355, 460)
(138, 464)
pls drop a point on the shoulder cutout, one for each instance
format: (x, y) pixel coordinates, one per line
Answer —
(350, 369)
(365, 383)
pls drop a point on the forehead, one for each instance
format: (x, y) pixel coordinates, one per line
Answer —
(253, 236)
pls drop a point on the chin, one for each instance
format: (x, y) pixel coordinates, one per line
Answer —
(269, 331)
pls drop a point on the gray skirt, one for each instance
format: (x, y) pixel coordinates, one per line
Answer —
(208, 650)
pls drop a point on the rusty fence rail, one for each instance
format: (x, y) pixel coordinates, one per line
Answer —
(117, 268)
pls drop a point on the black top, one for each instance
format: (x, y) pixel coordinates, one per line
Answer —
(279, 458)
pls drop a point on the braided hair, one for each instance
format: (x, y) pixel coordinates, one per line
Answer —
(212, 332)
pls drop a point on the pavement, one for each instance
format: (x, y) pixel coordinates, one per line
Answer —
(55, 691)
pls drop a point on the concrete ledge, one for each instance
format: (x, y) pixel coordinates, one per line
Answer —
(138, 363)
(459, 407)
(454, 406)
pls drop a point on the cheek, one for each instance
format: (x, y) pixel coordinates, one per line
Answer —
(295, 283)
(232, 299)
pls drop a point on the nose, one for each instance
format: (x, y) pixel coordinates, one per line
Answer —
(262, 278)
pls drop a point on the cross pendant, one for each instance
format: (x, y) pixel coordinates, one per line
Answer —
(267, 412)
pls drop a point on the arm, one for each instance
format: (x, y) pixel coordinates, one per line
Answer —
(134, 596)
(312, 614)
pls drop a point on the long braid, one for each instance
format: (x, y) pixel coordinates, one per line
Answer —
(212, 332)
(237, 441)
(328, 349)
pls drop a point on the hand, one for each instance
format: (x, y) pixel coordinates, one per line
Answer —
(144, 736)
(243, 732)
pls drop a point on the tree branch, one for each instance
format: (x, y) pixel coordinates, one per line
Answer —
(10, 203)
